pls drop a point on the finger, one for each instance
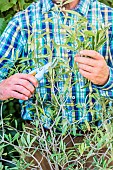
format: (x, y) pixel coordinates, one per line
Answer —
(86, 68)
(28, 77)
(86, 61)
(17, 95)
(22, 90)
(26, 84)
(91, 53)
(85, 74)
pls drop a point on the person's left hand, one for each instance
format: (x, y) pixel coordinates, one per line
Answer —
(93, 68)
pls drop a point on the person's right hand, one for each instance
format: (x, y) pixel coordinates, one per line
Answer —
(20, 86)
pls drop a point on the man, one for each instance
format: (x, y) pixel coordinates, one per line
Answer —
(95, 68)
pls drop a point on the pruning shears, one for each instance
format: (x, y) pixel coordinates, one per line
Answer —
(39, 72)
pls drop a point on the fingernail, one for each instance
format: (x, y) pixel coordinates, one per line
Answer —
(31, 96)
(81, 52)
(26, 98)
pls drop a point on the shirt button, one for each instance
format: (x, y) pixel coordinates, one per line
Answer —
(18, 28)
(70, 74)
(73, 97)
(11, 47)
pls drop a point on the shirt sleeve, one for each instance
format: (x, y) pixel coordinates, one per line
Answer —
(11, 44)
(107, 89)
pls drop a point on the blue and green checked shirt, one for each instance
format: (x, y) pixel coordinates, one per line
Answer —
(17, 36)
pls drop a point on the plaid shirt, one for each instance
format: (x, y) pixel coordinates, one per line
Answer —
(16, 37)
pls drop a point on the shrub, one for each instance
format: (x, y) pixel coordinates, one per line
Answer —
(16, 137)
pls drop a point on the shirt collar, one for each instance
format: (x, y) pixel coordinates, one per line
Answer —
(82, 7)
(46, 5)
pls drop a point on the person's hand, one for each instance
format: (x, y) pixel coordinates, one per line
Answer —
(19, 86)
(93, 68)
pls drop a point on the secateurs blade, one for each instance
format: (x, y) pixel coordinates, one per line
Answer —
(39, 72)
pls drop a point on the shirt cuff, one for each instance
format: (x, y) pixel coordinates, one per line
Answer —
(109, 83)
